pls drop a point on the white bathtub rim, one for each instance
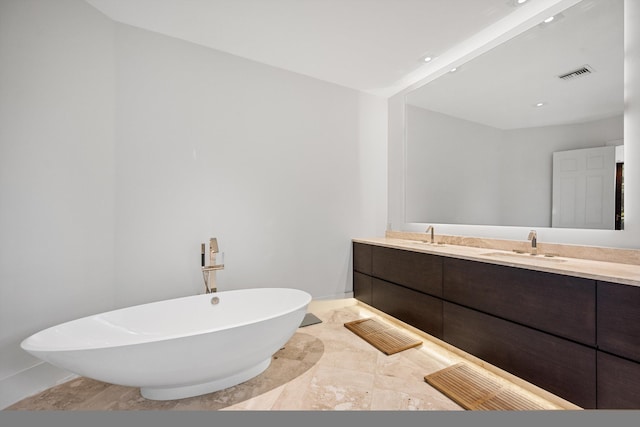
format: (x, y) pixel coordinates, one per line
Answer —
(28, 346)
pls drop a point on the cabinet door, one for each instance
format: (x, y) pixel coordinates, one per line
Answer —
(562, 367)
(362, 287)
(618, 383)
(561, 305)
(362, 258)
(415, 270)
(619, 319)
(417, 309)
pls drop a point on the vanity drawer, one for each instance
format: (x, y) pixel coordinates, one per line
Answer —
(362, 287)
(618, 382)
(415, 270)
(562, 367)
(362, 258)
(561, 305)
(415, 308)
(619, 319)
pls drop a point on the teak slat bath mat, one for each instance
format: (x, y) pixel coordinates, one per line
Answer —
(474, 390)
(385, 338)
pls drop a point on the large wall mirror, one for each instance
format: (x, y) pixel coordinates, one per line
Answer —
(480, 140)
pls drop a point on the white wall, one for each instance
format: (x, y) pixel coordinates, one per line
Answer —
(56, 177)
(122, 150)
(629, 238)
(284, 170)
(452, 169)
(462, 172)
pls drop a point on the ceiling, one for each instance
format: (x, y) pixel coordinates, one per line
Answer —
(377, 46)
(502, 87)
(368, 45)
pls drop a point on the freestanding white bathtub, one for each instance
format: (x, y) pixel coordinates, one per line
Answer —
(177, 348)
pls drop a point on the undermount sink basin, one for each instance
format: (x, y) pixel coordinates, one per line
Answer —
(422, 242)
(527, 256)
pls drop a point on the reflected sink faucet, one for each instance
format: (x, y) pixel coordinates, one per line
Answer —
(430, 229)
(533, 236)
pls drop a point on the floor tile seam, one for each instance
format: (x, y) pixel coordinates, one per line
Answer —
(418, 387)
(96, 397)
(243, 406)
(290, 385)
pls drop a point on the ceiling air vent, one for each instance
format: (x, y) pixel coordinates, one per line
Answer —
(582, 71)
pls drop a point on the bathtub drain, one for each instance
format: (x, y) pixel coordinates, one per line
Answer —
(215, 300)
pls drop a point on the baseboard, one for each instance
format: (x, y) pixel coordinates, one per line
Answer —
(31, 381)
(341, 295)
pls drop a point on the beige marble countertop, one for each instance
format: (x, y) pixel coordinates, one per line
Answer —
(628, 274)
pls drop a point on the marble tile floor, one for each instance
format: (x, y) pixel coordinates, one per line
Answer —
(323, 367)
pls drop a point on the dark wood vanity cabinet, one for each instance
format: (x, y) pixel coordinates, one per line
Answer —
(362, 272)
(404, 284)
(415, 270)
(618, 346)
(415, 308)
(561, 305)
(618, 382)
(362, 258)
(563, 367)
(574, 337)
(619, 320)
(530, 323)
(362, 288)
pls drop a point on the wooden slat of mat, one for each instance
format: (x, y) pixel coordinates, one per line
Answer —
(473, 390)
(385, 338)
(509, 400)
(462, 385)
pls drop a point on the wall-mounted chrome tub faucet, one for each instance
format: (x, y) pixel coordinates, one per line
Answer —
(216, 262)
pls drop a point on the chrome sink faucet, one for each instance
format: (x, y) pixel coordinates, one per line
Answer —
(533, 236)
(430, 229)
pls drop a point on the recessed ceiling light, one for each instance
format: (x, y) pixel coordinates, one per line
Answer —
(540, 104)
(453, 70)
(428, 58)
(552, 19)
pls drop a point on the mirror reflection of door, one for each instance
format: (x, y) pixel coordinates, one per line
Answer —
(619, 195)
(587, 189)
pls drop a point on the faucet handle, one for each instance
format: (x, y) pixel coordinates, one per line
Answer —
(533, 236)
(213, 245)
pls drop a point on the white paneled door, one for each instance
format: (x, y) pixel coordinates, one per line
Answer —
(584, 188)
